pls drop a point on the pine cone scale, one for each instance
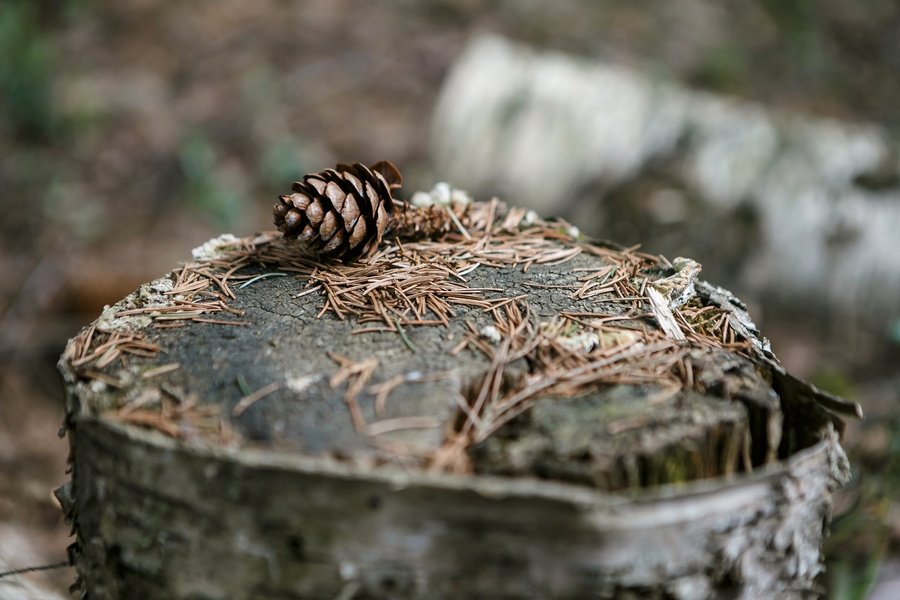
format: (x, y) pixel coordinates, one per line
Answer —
(335, 194)
(313, 185)
(308, 234)
(329, 227)
(359, 233)
(388, 173)
(381, 223)
(292, 218)
(300, 201)
(350, 212)
(356, 183)
(315, 213)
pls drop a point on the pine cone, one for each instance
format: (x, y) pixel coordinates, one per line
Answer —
(342, 212)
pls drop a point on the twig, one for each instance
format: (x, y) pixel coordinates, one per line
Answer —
(59, 565)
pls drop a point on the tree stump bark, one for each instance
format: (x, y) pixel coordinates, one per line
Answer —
(506, 412)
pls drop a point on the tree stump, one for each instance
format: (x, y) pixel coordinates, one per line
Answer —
(509, 411)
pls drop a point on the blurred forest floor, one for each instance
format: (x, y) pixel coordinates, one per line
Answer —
(132, 131)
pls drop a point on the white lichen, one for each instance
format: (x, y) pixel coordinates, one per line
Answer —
(584, 340)
(110, 320)
(491, 333)
(162, 285)
(679, 288)
(442, 194)
(301, 383)
(215, 247)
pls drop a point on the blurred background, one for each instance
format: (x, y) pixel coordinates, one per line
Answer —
(759, 138)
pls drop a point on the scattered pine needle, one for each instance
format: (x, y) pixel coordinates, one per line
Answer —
(248, 400)
(242, 384)
(406, 341)
(220, 322)
(401, 423)
(258, 277)
(160, 370)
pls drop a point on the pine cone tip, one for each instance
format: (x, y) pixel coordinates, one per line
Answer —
(390, 173)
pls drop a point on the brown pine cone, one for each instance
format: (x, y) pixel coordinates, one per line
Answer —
(345, 212)
(342, 212)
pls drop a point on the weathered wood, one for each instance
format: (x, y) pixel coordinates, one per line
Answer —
(185, 485)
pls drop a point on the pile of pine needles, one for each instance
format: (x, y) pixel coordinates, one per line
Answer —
(642, 341)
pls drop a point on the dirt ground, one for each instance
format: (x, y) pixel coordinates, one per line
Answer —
(132, 131)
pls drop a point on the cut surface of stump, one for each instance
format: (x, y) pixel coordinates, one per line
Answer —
(507, 411)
